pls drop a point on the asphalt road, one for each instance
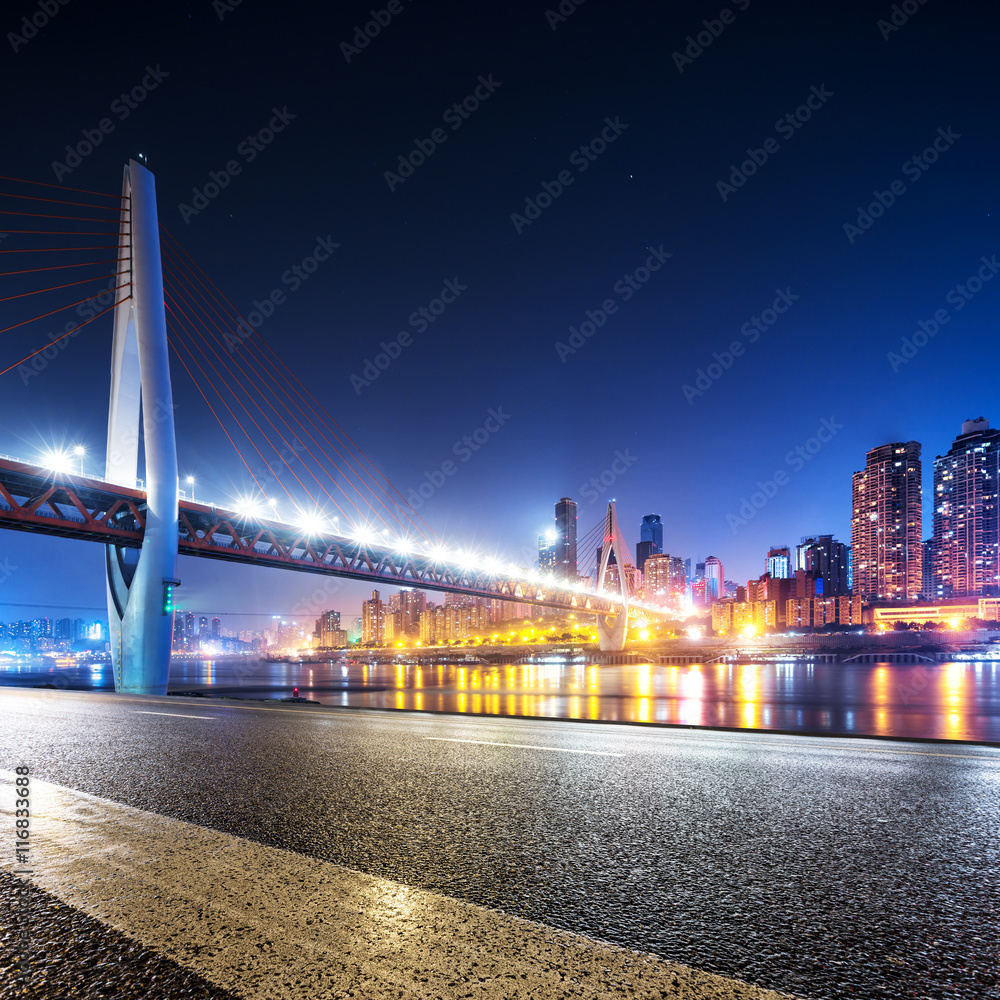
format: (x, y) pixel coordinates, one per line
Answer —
(822, 867)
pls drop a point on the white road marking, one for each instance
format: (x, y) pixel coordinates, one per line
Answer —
(269, 924)
(524, 746)
(174, 715)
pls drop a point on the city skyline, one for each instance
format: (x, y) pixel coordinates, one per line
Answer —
(739, 274)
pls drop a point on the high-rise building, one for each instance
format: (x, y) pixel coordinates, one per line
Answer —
(411, 603)
(663, 580)
(373, 620)
(328, 631)
(827, 560)
(886, 524)
(927, 591)
(966, 545)
(547, 551)
(203, 628)
(216, 628)
(715, 580)
(650, 540)
(565, 557)
(779, 562)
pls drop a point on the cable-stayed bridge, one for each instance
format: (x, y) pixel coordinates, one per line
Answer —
(162, 301)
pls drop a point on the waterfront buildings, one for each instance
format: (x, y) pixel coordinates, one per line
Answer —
(715, 580)
(664, 580)
(828, 561)
(965, 548)
(547, 551)
(886, 523)
(373, 621)
(779, 562)
(650, 540)
(565, 542)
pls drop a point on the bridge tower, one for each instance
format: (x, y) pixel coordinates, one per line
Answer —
(613, 629)
(140, 581)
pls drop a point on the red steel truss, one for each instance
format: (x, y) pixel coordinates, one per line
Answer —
(34, 499)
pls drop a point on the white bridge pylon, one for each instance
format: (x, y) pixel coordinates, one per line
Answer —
(612, 630)
(139, 614)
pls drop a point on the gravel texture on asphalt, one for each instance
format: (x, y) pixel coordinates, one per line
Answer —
(269, 924)
(818, 867)
(73, 955)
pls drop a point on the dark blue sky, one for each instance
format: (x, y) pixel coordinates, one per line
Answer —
(876, 103)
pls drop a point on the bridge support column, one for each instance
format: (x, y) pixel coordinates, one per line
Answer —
(141, 624)
(613, 630)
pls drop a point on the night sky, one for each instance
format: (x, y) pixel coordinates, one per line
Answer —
(663, 185)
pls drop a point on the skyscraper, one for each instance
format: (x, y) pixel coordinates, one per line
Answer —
(650, 540)
(779, 562)
(825, 559)
(328, 630)
(886, 523)
(565, 561)
(547, 552)
(965, 552)
(715, 580)
(372, 620)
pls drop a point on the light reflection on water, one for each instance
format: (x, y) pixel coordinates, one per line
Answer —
(951, 701)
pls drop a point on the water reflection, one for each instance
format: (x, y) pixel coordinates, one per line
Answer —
(955, 701)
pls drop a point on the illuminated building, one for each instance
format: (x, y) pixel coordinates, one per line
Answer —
(779, 562)
(411, 605)
(663, 579)
(547, 552)
(965, 551)
(328, 630)
(826, 559)
(715, 580)
(650, 540)
(393, 627)
(815, 612)
(886, 524)
(565, 555)
(942, 614)
(373, 620)
(731, 616)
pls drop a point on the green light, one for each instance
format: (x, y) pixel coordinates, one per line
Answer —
(168, 596)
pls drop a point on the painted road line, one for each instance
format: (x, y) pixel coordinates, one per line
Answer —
(268, 924)
(766, 742)
(173, 715)
(524, 746)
